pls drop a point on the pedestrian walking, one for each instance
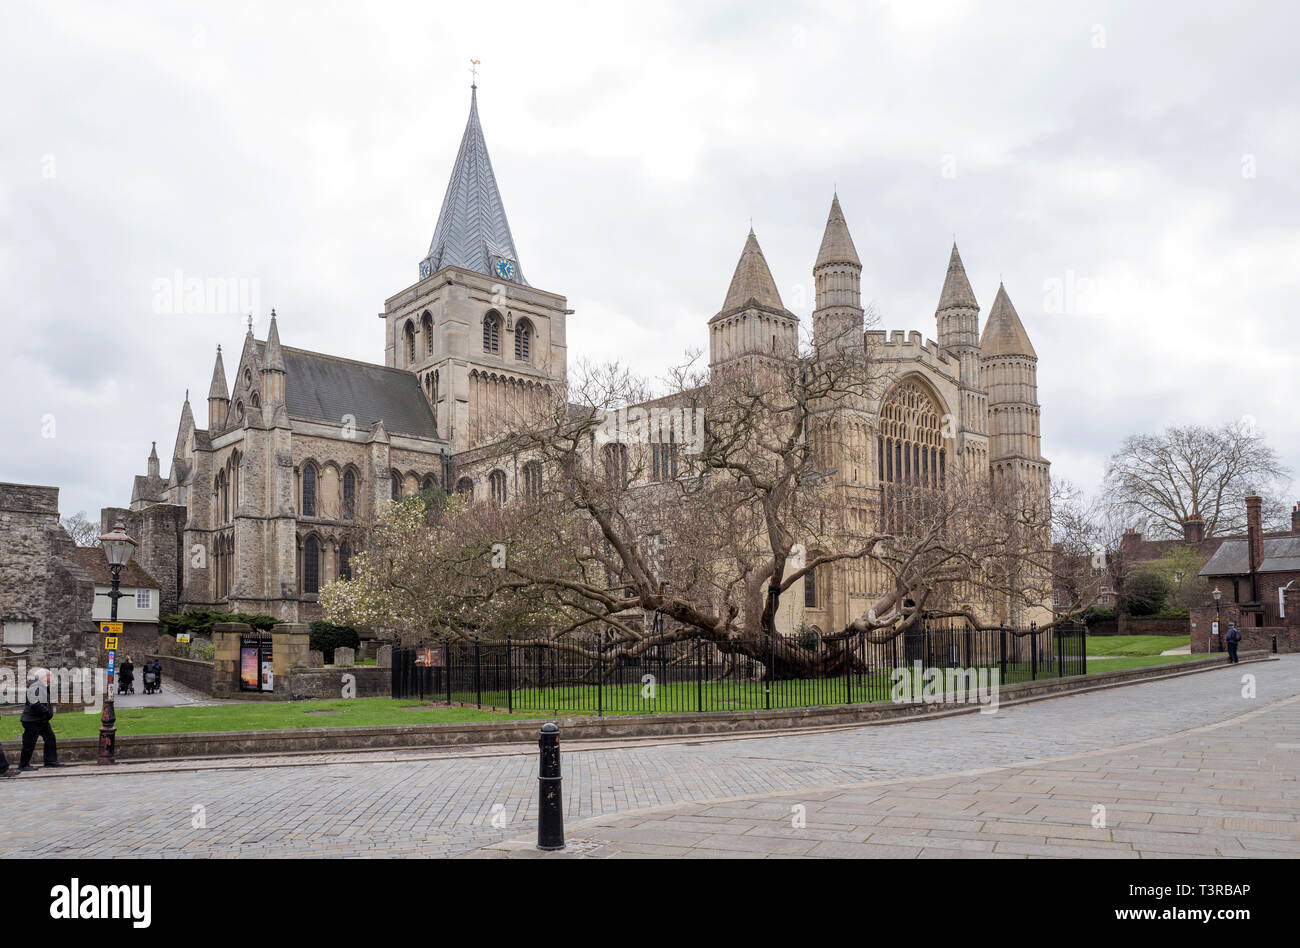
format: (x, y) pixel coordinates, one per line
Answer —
(38, 709)
(5, 770)
(1234, 636)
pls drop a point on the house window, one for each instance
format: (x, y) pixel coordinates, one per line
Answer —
(143, 598)
(492, 333)
(311, 566)
(497, 484)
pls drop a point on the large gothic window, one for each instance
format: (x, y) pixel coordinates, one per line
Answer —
(911, 459)
(426, 326)
(497, 486)
(309, 490)
(349, 495)
(615, 458)
(523, 340)
(345, 560)
(311, 566)
(492, 333)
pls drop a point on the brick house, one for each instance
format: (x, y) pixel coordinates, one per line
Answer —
(1258, 578)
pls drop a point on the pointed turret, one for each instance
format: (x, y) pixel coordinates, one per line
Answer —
(472, 230)
(753, 325)
(752, 283)
(218, 397)
(153, 461)
(837, 243)
(1004, 333)
(837, 277)
(956, 287)
(273, 371)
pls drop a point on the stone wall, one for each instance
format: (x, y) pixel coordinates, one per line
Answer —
(368, 681)
(41, 584)
(1287, 635)
(190, 672)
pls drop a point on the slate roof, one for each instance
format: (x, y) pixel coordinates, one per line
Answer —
(472, 225)
(1281, 555)
(319, 387)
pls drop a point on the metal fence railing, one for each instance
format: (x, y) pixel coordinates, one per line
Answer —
(594, 675)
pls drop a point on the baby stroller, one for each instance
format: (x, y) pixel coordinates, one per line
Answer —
(126, 684)
(151, 683)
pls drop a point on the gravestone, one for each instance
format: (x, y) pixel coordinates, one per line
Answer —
(385, 657)
(344, 657)
(315, 658)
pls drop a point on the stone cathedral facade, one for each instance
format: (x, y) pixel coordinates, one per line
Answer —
(302, 448)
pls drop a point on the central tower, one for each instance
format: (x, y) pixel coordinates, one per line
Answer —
(489, 348)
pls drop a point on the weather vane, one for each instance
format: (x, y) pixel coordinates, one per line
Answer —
(473, 70)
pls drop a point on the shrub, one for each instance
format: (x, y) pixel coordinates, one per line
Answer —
(1146, 593)
(1095, 615)
(326, 638)
(201, 621)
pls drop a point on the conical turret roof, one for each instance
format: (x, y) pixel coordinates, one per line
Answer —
(752, 283)
(1004, 334)
(472, 228)
(837, 244)
(274, 353)
(218, 388)
(956, 287)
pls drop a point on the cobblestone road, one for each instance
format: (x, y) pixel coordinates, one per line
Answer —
(432, 803)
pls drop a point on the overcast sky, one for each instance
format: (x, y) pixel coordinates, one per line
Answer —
(1129, 170)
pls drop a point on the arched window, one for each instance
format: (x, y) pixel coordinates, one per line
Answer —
(912, 457)
(311, 566)
(255, 399)
(309, 490)
(345, 560)
(426, 326)
(396, 485)
(465, 487)
(428, 484)
(349, 495)
(497, 486)
(492, 333)
(533, 480)
(409, 332)
(615, 458)
(523, 340)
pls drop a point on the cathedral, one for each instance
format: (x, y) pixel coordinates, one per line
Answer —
(270, 500)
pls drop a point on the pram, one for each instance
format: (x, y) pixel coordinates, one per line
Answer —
(152, 682)
(126, 684)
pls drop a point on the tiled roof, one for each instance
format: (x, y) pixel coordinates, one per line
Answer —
(91, 560)
(1281, 555)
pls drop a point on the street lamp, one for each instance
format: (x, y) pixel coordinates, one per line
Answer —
(1218, 615)
(118, 547)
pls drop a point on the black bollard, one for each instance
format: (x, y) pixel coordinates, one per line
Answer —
(550, 801)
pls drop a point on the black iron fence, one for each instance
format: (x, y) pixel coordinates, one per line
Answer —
(594, 675)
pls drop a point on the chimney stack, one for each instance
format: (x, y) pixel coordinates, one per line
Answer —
(1255, 539)
(1194, 528)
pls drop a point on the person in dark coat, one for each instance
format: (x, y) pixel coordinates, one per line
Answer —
(126, 677)
(5, 770)
(38, 709)
(1233, 638)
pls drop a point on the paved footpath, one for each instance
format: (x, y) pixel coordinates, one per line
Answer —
(1186, 766)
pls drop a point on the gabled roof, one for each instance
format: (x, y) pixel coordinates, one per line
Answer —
(752, 284)
(956, 287)
(472, 225)
(1004, 334)
(320, 387)
(837, 244)
(91, 560)
(1281, 555)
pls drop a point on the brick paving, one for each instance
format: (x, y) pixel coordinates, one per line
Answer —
(920, 789)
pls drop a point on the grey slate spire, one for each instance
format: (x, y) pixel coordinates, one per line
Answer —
(472, 228)
(956, 287)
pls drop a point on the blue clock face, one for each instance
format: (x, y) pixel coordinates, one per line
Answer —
(505, 269)
(426, 269)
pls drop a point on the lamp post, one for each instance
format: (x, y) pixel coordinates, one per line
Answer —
(1218, 617)
(118, 547)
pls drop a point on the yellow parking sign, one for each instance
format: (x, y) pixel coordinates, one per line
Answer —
(111, 628)
(110, 642)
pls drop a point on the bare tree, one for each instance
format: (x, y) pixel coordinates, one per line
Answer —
(1157, 481)
(82, 531)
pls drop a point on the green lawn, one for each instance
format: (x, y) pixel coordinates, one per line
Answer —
(1133, 644)
(615, 699)
(270, 715)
